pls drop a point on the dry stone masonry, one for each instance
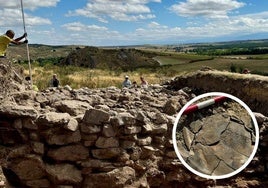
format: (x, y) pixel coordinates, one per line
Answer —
(250, 88)
(103, 138)
(89, 138)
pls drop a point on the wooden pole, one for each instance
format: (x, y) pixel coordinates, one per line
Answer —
(27, 46)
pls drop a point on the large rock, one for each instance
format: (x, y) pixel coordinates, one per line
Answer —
(64, 174)
(28, 123)
(96, 116)
(29, 168)
(38, 183)
(160, 118)
(19, 152)
(171, 107)
(90, 128)
(72, 107)
(61, 137)
(110, 142)
(72, 125)
(123, 118)
(117, 178)
(260, 118)
(108, 131)
(15, 111)
(95, 163)
(106, 153)
(159, 129)
(132, 129)
(69, 153)
(53, 118)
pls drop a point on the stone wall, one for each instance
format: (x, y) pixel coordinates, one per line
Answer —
(252, 89)
(102, 138)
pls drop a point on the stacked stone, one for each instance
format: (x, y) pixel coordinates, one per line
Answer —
(250, 88)
(89, 138)
(93, 138)
(262, 155)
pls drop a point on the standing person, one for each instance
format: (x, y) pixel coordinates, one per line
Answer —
(54, 82)
(126, 83)
(144, 83)
(7, 38)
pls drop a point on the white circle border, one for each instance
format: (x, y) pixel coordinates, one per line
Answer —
(174, 130)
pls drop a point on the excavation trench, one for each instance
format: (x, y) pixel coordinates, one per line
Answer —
(251, 89)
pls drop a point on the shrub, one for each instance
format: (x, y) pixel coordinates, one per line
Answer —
(233, 68)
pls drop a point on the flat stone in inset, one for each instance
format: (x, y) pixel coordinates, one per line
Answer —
(195, 126)
(203, 159)
(212, 129)
(238, 138)
(222, 169)
(230, 156)
(188, 137)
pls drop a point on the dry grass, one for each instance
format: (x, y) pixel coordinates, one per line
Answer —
(77, 77)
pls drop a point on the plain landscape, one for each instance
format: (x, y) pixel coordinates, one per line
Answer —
(95, 67)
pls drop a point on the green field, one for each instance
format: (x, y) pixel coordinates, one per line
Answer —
(78, 77)
(188, 63)
(170, 65)
(253, 65)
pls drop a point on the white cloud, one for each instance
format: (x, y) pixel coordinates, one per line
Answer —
(77, 26)
(157, 25)
(128, 10)
(10, 12)
(154, 32)
(29, 4)
(233, 26)
(34, 20)
(79, 33)
(206, 8)
(248, 23)
(13, 18)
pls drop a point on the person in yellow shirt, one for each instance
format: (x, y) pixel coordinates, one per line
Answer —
(7, 38)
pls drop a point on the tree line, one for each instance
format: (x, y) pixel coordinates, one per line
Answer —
(232, 51)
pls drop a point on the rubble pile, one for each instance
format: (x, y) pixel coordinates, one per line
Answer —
(106, 137)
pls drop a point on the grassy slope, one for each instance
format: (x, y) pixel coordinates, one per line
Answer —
(38, 51)
(224, 64)
(190, 62)
(174, 64)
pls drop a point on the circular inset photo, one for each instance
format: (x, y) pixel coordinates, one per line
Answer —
(215, 135)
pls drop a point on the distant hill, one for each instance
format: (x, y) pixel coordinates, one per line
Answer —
(86, 56)
(39, 51)
(229, 44)
(127, 57)
(124, 58)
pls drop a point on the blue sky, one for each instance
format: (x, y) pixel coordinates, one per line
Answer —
(135, 22)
